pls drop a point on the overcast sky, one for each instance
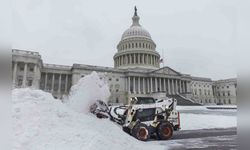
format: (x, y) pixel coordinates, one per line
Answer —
(197, 37)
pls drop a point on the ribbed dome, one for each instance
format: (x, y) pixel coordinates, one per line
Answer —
(136, 30)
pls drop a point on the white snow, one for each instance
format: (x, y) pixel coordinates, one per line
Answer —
(199, 117)
(87, 91)
(41, 122)
(206, 121)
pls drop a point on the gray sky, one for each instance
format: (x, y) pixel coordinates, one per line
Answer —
(197, 36)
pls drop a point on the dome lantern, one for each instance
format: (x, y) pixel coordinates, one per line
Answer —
(136, 18)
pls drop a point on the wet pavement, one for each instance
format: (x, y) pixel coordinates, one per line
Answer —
(207, 139)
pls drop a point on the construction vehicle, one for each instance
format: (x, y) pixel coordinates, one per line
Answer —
(144, 117)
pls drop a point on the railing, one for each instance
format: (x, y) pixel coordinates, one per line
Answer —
(16, 51)
(56, 66)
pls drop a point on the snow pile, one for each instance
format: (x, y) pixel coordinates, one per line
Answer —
(87, 91)
(41, 122)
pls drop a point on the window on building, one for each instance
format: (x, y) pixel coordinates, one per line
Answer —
(228, 93)
(31, 69)
(21, 68)
(117, 90)
(200, 91)
(225, 101)
(229, 101)
(110, 79)
(30, 82)
(223, 93)
(117, 100)
(117, 79)
(228, 87)
(19, 82)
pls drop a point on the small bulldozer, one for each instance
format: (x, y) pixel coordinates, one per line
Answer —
(143, 117)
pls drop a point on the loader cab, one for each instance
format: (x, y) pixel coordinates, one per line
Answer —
(142, 100)
(144, 114)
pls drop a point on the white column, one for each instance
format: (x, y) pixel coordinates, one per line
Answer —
(134, 59)
(143, 59)
(188, 87)
(176, 86)
(160, 84)
(168, 86)
(129, 85)
(53, 81)
(143, 85)
(173, 91)
(151, 58)
(66, 83)
(184, 90)
(133, 84)
(180, 86)
(185, 86)
(139, 85)
(24, 75)
(59, 84)
(14, 74)
(45, 82)
(164, 85)
(151, 84)
(138, 58)
(148, 91)
(35, 82)
(156, 85)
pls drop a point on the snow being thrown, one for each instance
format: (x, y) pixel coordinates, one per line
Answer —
(41, 122)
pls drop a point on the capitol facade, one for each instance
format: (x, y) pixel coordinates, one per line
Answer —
(136, 72)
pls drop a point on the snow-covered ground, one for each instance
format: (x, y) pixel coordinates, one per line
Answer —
(199, 117)
(41, 122)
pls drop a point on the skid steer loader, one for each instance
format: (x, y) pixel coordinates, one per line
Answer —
(144, 117)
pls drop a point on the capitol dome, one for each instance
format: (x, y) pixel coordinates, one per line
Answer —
(135, 31)
(136, 48)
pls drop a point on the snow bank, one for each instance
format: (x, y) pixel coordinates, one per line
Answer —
(199, 117)
(87, 91)
(41, 122)
(205, 121)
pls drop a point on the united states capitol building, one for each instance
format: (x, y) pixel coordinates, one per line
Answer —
(136, 72)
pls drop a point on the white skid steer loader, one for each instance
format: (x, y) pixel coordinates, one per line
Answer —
(144, 117)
